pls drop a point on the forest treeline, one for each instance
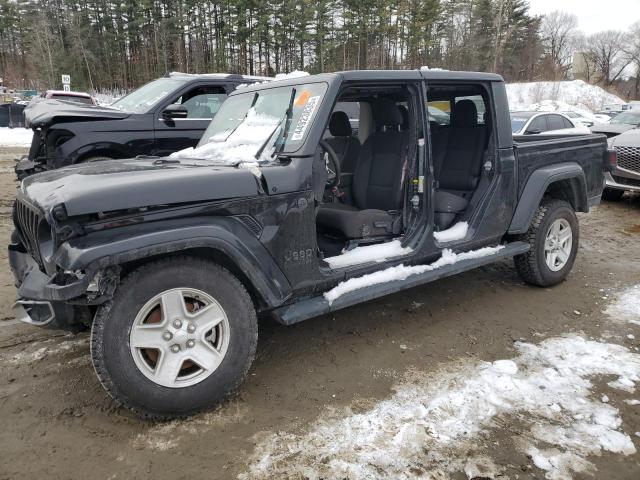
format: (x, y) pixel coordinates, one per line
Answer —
(106, 45)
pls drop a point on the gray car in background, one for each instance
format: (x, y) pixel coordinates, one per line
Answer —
(626, 176)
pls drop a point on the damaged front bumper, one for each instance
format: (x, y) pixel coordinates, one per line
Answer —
(25, 167)
(60, 301)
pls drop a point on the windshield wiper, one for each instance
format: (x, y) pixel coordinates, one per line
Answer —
(287, 119)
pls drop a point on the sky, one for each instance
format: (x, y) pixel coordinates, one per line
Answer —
(593, 15)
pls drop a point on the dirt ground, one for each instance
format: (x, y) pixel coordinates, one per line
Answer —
(58, 423)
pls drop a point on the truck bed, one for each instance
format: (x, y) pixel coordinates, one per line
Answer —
(535, 152)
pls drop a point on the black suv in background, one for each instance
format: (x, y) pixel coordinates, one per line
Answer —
(161, 117)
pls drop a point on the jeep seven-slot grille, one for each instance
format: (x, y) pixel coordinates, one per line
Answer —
(27, 220)
(629, 158)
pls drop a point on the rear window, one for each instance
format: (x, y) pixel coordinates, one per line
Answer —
(556, 122)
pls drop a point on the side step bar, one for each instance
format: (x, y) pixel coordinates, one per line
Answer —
(313, 307)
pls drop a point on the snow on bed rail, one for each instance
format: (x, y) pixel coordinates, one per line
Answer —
(434, 422)
(369, 253)
(457, 232)
(401, 272)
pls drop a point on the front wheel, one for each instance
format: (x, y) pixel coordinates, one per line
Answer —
(553, 237)
(178, 336)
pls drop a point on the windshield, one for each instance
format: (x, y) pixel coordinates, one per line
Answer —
(254, 126)
(517, 123)
(145, 97)
(629, 118)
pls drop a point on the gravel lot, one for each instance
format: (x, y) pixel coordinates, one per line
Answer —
(57, 422)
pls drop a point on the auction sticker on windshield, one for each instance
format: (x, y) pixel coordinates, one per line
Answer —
(305, 117)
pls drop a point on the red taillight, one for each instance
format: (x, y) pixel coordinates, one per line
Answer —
(612, 160)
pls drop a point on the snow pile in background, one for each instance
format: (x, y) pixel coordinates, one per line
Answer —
(576, 95)
(369, 253)
(15, 137)
(401, 272)
(627, 306)
(457, 232)
(294, 74)
(432, 423)
(240, 146)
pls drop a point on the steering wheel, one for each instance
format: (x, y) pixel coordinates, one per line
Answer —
(332, 164)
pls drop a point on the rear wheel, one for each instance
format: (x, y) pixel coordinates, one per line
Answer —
(612, 195)
(178, 337)
(553, 237)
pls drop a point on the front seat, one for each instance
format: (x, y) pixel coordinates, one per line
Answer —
(377, 181)
(346, 146)
(459, 170)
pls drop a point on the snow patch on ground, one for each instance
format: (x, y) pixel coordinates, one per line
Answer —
(433, 422)
(15, 137)
(457, 232)
(239, 146)
(626, 306)
(401, 272)
(369, 253)
(575, 95)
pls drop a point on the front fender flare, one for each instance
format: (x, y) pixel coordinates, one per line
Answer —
(226, 235)
(536, 187)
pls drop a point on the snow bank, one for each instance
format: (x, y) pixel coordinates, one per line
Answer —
(15, 137)
(369, 253)
(401, 272)
(576, 95)
(626, 307)
(433, 422)
(457, 232)
(241, 146)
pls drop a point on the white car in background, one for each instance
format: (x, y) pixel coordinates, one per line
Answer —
(577, 118)
(545, 123)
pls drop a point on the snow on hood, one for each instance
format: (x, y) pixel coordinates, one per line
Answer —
(239, 147)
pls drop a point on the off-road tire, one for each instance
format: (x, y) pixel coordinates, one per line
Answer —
(612, 194)
(112, 357)
(531, 266)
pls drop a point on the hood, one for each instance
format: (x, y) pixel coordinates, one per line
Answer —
(135, 183)
(611, 129)
(44, 112)
(630, 138)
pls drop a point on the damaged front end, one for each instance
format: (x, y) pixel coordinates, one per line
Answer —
(44, 152)
(49, 296)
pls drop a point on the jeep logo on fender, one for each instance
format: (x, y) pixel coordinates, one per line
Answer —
(298, 256)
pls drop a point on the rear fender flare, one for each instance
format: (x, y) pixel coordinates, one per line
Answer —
(538, 184)
(226, 235)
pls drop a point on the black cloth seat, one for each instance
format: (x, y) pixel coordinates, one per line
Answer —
(458, 163)
(377, 181)
(346, 146)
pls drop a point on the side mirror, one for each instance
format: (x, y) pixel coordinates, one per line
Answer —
(532, 131)
(175, 111)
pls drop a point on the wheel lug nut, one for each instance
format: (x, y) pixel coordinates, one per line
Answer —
(191, 328)
(177, 323)
(175, 348)
(167, 335)
(191, 343)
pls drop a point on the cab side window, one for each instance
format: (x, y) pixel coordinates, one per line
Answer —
(202, 102)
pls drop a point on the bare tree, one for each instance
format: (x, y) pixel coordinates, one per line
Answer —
(610, 53)
(559, 33)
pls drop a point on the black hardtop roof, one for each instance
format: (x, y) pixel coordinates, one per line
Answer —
(383, 75)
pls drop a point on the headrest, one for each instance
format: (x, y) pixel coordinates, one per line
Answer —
(465, 114)
(339, 125)
(386, 113)
(405, 117)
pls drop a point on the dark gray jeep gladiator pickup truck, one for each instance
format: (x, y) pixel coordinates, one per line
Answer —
(282, 211)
